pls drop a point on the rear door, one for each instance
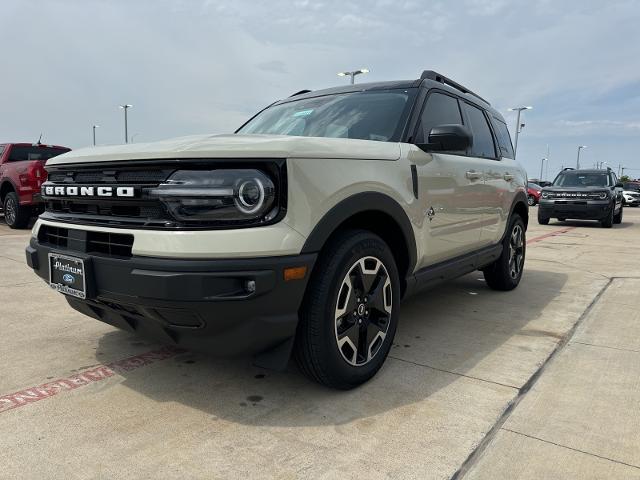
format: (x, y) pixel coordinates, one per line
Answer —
(450, 186)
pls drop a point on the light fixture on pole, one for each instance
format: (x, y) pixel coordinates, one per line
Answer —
(518, 125)
(353, 74)
(126, 107)
(580, 147)
(94, 134)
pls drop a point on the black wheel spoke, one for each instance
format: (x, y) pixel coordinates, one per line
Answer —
(363, 310)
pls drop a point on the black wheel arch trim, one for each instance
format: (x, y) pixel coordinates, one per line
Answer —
(356, 204)
(520, 197)
(8, 181)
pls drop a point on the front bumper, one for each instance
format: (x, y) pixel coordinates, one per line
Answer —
(582, 209)
(203, 305)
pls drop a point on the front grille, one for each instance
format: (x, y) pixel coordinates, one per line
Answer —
(81, 241)
(574, 195)
(109, 211)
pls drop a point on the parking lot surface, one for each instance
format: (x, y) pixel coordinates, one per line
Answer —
(540, 382)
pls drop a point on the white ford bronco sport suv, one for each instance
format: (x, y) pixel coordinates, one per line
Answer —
(298, 234)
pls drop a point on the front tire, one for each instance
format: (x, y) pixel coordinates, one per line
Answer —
(542, 220)
(350, 312)
(15, 215)
(607, 222)
(505, 273)
(617, 218)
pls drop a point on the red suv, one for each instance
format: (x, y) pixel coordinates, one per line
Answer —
(21, 176)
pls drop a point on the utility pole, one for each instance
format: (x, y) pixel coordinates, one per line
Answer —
(94, 134)
(518, 126)
(126, 107)
(541, 167)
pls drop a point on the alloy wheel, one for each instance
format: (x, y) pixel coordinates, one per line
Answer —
(363, 311)
(516, 251)
(10, 211)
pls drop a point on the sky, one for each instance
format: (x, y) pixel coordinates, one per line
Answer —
(191, 67)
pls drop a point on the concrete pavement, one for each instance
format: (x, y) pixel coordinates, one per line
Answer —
(541, 382)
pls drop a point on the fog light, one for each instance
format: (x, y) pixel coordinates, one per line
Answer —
(250, 286)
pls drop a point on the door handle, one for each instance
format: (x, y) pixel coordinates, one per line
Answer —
(508, 177)
(473, 175)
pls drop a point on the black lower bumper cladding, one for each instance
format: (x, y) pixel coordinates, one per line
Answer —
(591, 210)
(221, 307)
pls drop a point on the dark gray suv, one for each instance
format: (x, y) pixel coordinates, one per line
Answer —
(583, 194)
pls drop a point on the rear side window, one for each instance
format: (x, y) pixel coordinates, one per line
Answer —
(503, 137)
(20, 153)
(482, 139)
(440, 109)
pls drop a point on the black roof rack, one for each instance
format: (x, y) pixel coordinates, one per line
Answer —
(431, 75)
(300, 93)
(568, 168)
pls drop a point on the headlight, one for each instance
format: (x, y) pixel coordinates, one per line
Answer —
(545, 195)
(222, 197)
(603, 195)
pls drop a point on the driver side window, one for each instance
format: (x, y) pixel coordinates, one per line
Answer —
(440, 109)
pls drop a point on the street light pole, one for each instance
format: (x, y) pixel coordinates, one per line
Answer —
(519, 110)
(353, 74)
(126, 107)
(541, 167)
(580, 147)
(94, 134)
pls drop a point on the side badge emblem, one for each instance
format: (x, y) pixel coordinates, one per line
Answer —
(431, 213)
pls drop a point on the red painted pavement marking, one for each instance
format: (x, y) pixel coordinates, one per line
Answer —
(550, 234)
(93, 375)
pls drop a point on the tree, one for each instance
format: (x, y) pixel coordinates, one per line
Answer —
(625, 178)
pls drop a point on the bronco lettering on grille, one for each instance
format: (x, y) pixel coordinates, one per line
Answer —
(88, 191)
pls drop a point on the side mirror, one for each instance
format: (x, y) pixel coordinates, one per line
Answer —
(447, 138)
(620, 185)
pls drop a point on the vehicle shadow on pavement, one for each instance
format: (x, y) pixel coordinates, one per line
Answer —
(460, 332)
(589, 224)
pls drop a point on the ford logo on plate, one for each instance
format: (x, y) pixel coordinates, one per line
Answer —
(68, 278)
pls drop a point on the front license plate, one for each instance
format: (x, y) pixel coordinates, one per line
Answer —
(67, 275)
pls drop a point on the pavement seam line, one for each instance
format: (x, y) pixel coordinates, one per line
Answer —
(453, 373)
(620, 349)
(475, 455)
(571, 448)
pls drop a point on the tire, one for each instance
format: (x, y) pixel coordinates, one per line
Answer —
(505, 273)
(333, 321)
(617, 218)
(542, 220)
(15, 215)
(531, 201)
(607, 222)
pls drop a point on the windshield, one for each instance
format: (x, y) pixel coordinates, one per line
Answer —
(634, 187)
(372, 115)
(34, 152)
(580, 179)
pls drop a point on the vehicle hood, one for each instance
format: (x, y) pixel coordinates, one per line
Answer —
(236, 146)
(575, 189)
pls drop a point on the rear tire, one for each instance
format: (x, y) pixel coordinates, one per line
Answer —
(350, 312)
(531, 201)
(15, 215)
(617, 218)
(505, 273)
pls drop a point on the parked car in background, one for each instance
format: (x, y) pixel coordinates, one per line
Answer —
(533, 193)
(583, 194)
(22, 174)
(631, 198)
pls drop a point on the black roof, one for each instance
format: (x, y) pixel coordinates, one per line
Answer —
(428, 79)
